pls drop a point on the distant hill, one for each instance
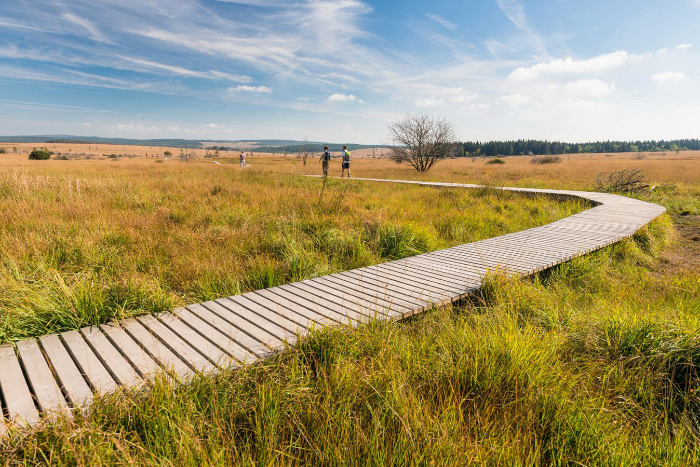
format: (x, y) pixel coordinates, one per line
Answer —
(262, 145)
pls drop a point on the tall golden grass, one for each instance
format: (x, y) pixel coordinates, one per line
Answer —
(88, 241)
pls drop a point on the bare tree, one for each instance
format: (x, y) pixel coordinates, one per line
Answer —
(422, 140)
(304, 150)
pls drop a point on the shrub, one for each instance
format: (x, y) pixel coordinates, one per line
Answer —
(624, 181)
(3, 151)
(551, 159)
(39, 155)
(497, 160)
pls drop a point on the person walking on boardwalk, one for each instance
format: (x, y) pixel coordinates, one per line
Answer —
(325, 160)
(346, 162)
(241, 157)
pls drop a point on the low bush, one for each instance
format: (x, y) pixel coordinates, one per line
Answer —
(551, 159)
(39, 155)
(497, 160)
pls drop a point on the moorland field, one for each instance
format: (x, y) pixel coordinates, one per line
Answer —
(592, 362)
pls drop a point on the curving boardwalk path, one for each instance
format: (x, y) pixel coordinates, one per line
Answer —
(64, 372)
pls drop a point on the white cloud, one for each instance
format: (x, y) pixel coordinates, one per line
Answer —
(431, 101)
(87, 125)
(246, 88)
(515, 100)
(515, 12)
(442, 21)
(463, 98)
(589, 87)
(668, 77)
(684, 46)
(85, 24)
(341, 98)
(569, 65)
(180, 71)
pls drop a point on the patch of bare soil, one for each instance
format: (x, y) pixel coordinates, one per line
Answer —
(684, 255)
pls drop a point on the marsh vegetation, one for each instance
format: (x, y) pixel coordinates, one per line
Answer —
(594, 362)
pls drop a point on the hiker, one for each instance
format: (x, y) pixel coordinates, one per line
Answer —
(325, 159)
(346, 162)
(241, 157)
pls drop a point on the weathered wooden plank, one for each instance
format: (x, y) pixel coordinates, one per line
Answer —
(376, 295)
(213, 353)
(157, 350)
(182, 349)
(15, 390)
(90, 366)
(238, 323)
(218, 337)
(252, 318)
(137, 356)
(46, 391)
(287, 319)
(350, 315)
(320, 315)
(120, 369)
(67, 372)
(336, 293)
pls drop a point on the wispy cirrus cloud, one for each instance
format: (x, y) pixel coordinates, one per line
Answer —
(515, 12)
(442, 21)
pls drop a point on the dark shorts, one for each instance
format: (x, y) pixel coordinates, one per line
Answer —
(346, 165)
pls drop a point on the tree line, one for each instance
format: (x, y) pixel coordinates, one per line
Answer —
(539, 147)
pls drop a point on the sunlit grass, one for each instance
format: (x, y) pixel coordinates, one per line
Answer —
(85, 242)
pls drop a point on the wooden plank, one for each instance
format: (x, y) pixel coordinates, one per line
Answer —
(335, 293)
(289, 320)
(90, 366)
(15, 390)
(263, 333)
(352, 309)
(146, 367)
(46, 391)
(182, 349)
(376, 292)
(305, 318)
(276, 302)
(376, 295)
(420, 270)
(350, 313)
(157, 350)
(364, 298)
(120, 369)
(395, 287)
(213, 353)
(240, 327)
(403, 280)
(218, 337)
(67, 372)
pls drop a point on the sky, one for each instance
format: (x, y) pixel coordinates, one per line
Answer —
(342, 70)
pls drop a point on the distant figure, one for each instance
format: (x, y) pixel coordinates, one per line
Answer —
(346, 162)
(241, 157)
(325, 159)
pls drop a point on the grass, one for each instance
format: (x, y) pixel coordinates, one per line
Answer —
(594, 362)
(86, 242)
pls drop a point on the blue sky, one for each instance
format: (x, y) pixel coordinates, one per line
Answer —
(341, 70)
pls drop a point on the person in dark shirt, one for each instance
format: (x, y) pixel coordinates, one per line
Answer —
(325, 160)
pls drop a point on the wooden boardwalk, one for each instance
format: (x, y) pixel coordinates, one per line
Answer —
(63, 372)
